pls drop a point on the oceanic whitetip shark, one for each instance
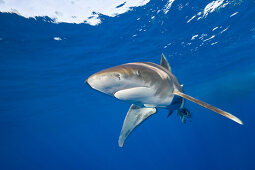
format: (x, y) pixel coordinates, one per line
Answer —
(146, 86)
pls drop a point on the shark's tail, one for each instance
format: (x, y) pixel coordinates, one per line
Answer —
(215, 109)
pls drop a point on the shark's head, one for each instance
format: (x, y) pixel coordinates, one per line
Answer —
(113, 79)
(105, 82)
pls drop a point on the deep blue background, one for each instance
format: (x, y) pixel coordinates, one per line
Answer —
(50, 119)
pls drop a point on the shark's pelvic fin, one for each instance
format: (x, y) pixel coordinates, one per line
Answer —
(164, 63)
(184, 114)
(133, 118)
(170, 113)
(215, 109)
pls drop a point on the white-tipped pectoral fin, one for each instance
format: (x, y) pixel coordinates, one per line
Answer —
(133, 118)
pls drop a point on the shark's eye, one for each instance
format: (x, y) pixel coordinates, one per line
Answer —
(117, 75)
(138, 73)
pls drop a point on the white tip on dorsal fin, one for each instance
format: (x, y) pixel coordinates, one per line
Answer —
(134, 117)
(164, 63)
(215, 109)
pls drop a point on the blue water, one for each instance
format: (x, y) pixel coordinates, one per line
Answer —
(51, 119)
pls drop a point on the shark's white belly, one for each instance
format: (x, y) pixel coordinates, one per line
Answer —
(143, 96)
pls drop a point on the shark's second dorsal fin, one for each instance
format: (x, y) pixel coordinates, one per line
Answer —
(164, 63)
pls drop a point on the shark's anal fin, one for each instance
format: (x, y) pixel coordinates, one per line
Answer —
(215, 109)
(164, 63)
(133, 118)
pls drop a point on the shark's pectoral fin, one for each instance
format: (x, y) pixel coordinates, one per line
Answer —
(133, 118)
(206, 105)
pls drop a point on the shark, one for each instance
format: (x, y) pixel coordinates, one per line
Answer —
(147, 86)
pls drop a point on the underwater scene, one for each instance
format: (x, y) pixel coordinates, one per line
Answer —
(63, 101)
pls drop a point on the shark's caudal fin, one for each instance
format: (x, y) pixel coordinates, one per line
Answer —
(215, 109)
(133, 118)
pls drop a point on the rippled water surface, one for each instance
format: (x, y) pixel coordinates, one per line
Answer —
(51, 119)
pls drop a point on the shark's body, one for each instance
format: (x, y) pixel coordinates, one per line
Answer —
(146, 86)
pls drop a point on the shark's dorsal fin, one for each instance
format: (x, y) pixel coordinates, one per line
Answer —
(164, 63)
(206, 105)
(133, 118)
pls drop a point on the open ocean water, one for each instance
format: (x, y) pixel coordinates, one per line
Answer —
(51, 119)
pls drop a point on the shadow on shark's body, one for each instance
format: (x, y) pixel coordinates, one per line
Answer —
(146, 86)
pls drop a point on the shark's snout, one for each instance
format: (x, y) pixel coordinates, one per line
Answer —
(106, 82)
(87, 80)
(93, 81)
